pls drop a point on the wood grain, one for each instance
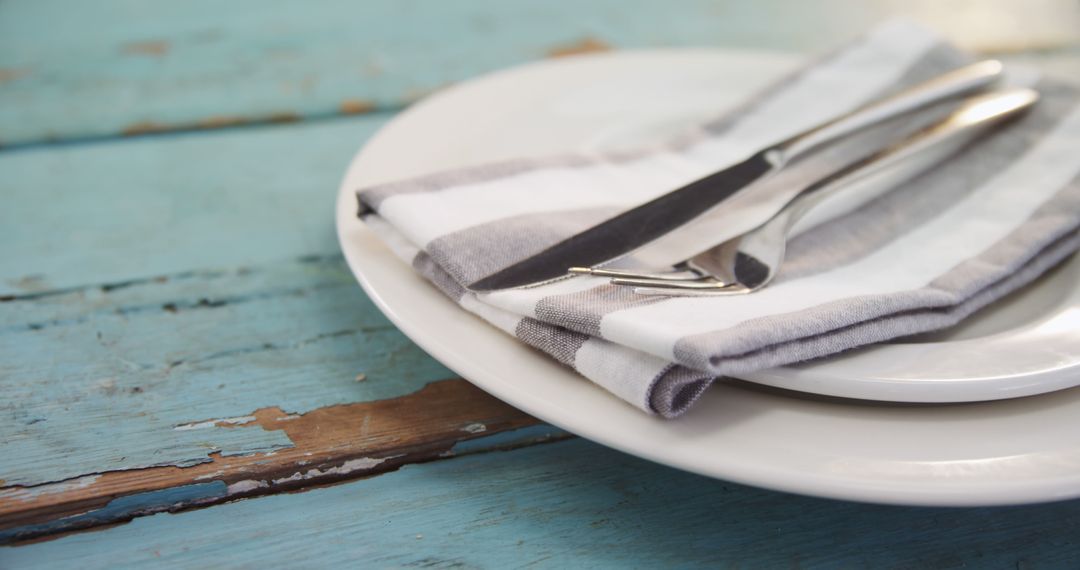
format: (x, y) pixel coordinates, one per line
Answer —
(326, 444)
(157, 373)
(78, 70)
(572, 504)
(112, 212)
(178, 330)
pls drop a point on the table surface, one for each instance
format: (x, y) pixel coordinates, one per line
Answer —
(192, 376)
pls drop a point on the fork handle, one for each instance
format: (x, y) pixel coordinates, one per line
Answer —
(968, 121)
(955, 83)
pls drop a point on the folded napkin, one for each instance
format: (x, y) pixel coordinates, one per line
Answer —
(922, 257)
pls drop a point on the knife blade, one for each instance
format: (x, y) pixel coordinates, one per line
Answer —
(646, 223)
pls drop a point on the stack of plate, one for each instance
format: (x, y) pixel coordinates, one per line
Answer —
(979, 415)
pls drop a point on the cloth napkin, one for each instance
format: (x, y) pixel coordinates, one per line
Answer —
(921, 257)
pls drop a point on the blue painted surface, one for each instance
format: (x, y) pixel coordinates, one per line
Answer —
(99, 381)
(110, 212)
(508, 439)
(175, 280)
(169, 280)
(571, 504)
(125, 507)
(105, 67)
(91, 69)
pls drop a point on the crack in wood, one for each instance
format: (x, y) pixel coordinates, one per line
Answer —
(175, 306)
(203, 274)
(270, 346)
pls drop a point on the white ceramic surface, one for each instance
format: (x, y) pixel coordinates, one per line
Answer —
(1007, 451)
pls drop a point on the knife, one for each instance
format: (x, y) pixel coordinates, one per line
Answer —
(646, 223)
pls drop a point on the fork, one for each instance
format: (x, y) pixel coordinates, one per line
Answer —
(749, 261)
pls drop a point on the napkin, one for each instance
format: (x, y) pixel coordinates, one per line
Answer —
(921, 257)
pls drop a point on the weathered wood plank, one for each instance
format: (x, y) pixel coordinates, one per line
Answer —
(105, 381)
(202, 387)
(77, 69)
(567, 505)
(112, 212)
(177, 328)
(327, 444)
(222, 348)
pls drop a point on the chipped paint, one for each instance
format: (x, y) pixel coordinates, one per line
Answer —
(123, 507)
(7, 75)
(475, 428)
(32, 493)
(351, 466)
(283, 117)
(317, 446)
(359, 464)
(582, 46)
(143, 128)
(508, 439)
(155, 48)
(355, 107)
(237, 421)
(245, 486)
(220, 122)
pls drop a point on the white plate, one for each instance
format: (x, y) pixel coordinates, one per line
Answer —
(1001, 452)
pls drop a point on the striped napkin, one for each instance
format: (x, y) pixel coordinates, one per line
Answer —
(920, 258)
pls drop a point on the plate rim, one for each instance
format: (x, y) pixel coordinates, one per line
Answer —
(348, 228)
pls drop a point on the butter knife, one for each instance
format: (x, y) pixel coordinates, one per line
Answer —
(643, 224)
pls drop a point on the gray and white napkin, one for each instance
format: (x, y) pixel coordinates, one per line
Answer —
(919, 258)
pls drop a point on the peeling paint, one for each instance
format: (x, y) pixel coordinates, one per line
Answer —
(360, 464)
(156, 48)
(238, 421)
(246, 486)
(143, 128)
(584, 45)
(311, 447)
(123, 507)
(507, 439)
(356, 107)
(475, 428)
(220, 122)
(12, 74)
(283, 117)
(25, 494)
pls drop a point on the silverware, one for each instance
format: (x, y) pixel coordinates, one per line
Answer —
(647, 223)
(749, 261)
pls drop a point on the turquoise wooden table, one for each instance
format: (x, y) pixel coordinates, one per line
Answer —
(192, 377)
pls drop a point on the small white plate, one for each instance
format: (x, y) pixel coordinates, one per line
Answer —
(1008, 451)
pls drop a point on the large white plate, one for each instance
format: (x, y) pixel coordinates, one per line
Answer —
(1001, 452)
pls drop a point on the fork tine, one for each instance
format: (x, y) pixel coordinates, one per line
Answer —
(733, 289)
(679, 276)
(703, 284)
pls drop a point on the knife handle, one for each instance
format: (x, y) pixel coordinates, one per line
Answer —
(955, 83)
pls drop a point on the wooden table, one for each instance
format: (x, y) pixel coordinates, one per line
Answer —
(192, 376)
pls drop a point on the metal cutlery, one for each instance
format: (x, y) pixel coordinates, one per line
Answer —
(749, 261)
(650, 222)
